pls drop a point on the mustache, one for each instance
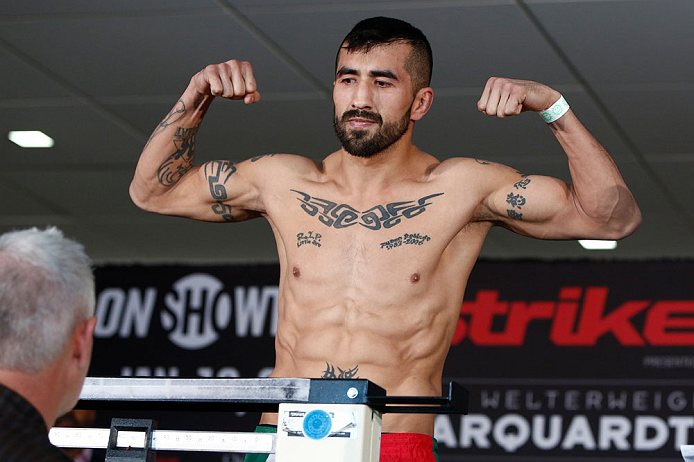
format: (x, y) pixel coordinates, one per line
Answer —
(362, 114)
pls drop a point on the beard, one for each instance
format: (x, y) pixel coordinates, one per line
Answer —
(359, 143)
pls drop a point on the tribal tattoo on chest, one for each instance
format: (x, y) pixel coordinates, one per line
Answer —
(339, 216)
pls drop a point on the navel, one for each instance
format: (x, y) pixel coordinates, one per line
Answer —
(414, 279)
(296, 272)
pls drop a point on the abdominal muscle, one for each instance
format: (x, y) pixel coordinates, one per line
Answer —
(398, 342)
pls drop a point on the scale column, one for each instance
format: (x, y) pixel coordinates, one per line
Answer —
(335, 432)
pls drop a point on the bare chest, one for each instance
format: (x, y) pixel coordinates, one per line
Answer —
(325, 236)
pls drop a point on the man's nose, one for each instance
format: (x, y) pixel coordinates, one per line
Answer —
(363, 96)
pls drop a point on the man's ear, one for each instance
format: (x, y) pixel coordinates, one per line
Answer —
(422, 103)
(83, 338)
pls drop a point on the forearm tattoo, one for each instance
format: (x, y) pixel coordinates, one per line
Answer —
(176, 113)
(339, 216)
(329, 372)
(405, 239)
(180, 161)
(217, 174)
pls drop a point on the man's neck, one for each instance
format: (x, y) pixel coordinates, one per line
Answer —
(34, 388)
(375, 174)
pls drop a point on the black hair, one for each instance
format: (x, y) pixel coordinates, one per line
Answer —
(380, 31)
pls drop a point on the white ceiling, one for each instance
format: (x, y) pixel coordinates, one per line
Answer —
(98, 75)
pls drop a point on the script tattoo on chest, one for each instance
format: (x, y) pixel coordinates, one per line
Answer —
(340, 216)
(405, 239)
(308, 238)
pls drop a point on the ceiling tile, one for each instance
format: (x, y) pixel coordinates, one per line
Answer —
(145, 55)
(81, 193)
(78, 7)
(659, 122)
(463, 56)
(624, 42)
(14, 202)
(82, 136)
(19, 80)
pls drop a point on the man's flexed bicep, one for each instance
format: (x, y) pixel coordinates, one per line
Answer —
(537, 206)
(596, 205)
(218, 190)
(166, 180)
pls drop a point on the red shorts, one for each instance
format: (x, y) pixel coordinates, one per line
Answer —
(408, 447)
(395, 447)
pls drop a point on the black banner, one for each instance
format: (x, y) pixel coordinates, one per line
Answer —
(579, 359)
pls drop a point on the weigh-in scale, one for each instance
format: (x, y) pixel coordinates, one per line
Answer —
(319, 419)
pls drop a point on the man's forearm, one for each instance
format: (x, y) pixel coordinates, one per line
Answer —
(599, 189)
(169, 152)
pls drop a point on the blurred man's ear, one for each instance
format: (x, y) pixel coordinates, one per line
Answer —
(83, 339)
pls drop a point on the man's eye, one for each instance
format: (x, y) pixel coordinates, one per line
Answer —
(381, 83)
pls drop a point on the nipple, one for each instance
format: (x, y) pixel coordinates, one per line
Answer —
(414, 279)
(296, 272)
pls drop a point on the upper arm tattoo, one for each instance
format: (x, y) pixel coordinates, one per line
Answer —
(217, 174)
(524, 182)
(257, 158)
(178, 163)
(516, 200)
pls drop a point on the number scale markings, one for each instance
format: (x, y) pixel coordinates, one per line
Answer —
(165, 440)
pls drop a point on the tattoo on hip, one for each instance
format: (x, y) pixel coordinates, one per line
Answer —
(329, 372)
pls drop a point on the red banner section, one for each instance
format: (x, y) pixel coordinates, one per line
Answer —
(578, 318)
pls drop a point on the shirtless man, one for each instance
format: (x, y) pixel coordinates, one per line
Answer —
(377, 241)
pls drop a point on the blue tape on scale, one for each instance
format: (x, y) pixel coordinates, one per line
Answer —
(317, 424)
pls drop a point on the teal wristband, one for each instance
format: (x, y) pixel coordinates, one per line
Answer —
(555, 111)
